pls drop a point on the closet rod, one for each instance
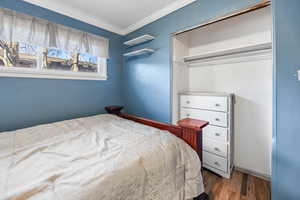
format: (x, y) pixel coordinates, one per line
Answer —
(252, 49)
(261, 4)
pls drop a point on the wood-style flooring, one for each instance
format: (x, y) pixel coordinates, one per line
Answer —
(240, 187)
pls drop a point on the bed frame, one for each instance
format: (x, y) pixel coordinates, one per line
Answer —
(189, 130)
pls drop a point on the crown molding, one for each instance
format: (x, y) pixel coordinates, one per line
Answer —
(158, 14)
(76, 14)
(82, 16)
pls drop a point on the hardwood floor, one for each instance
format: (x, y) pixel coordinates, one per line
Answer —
(240, 187)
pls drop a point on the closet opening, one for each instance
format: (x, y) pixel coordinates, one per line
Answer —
(222, 73)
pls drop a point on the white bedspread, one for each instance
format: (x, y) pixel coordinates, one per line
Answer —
(101, 157)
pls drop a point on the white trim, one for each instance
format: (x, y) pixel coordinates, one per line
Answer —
(48, 74)
(158, 14)
(82, 16)
(266, 177)
(77, 14)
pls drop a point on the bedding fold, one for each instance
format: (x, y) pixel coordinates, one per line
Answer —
(102, 157)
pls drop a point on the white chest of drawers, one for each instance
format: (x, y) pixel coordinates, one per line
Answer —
(217, 109)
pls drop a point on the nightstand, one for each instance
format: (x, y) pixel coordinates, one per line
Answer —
(114, 109)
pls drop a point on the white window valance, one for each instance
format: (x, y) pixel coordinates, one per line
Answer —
(27, 29)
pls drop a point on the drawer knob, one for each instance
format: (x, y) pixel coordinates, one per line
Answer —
(216, 163)
(188, 115)
(217, 105)
(217, 134)
(217, 119)
(217, 149)
(188, 102)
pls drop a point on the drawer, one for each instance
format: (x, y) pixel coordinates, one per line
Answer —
(214, 118)
(216, 133)
(215, 161)
(204, 102)
(215, 147)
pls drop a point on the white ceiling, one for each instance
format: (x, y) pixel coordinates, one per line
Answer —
(119, 16)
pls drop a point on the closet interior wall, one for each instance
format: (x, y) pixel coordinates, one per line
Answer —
(247, 76)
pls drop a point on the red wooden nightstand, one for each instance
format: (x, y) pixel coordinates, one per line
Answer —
(192, 133)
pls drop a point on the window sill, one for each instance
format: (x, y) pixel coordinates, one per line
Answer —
(48, 74)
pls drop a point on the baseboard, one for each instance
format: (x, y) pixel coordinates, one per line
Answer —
(253, 173)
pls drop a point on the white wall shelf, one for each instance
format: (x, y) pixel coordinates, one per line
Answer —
(139, 52)
(250, 50)
(139, 40)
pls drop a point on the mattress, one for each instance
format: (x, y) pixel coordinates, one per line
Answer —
(101, 157)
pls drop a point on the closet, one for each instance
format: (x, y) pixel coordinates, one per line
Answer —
(231, 56)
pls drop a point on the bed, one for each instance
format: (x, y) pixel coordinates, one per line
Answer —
(102, 157)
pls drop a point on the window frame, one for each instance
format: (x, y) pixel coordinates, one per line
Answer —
(49, 74)
(40, 72)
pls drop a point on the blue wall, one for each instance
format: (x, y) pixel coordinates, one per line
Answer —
(25, 102)
(147, 82)
(286, 134)
(143, 84)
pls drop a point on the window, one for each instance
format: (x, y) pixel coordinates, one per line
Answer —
(32, 47)
(14, 54)
(87, 63)
(57, 59)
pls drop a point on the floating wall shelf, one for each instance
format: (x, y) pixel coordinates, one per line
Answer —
(139, 40)
(139, 52)
(236, 52)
